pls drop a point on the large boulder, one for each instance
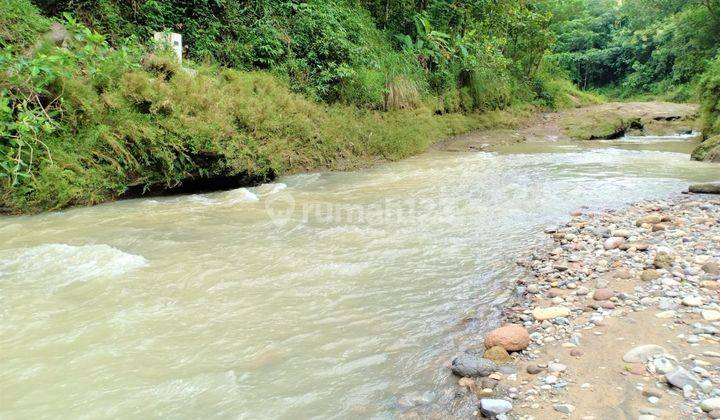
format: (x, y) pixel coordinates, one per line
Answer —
(708, 151)
(511, 337)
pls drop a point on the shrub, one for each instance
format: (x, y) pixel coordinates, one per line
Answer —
(364, 88)
(709, 92)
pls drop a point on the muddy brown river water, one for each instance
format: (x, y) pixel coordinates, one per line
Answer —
(328, 295)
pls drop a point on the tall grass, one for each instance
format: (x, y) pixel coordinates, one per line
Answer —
(159, 126)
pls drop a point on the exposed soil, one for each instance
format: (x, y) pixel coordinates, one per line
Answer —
(604, 121)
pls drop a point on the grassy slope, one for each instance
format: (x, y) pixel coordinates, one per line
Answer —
(154, 130)
(122, 126)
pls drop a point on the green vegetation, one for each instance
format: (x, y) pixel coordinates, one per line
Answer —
(667, 49)
(283, 86)
(637, 47)
(709, 150)
(596, 126)
(709, 88)
(95, 110)
(20, 23)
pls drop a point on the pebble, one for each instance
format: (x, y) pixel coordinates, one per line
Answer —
(649, 275)
(680, 378)
(494, 407)
(471, 365)
(486, 392)
(692, 301)
(556, 367)
(652, 392)
(497, 354)
(710, 284)
(710, 315)
(603, 294)
(642, 354)
(663, 260)
(666, 314)
(552, 312)
(648, 220)
(710, 404)
(533, 369)
(662, 365)
(564, 408)
(711, 267)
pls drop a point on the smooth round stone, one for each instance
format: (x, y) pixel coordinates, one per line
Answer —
(641, 354)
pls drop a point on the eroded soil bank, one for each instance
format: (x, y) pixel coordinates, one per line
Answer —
(622, 318)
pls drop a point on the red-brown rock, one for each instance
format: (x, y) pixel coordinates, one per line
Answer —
(603, 294)
(511, 337)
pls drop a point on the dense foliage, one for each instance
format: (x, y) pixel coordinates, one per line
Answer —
(637, 47)
(85, 118)
(94, 109)
(354, 51)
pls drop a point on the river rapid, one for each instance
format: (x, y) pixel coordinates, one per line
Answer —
(326, 295)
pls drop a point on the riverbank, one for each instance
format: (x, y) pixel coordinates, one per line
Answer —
(591, 122)
(617, 319)
(92, 115)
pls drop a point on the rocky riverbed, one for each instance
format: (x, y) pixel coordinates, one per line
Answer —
(619, 318)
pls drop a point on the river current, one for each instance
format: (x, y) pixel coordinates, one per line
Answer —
(325, 295)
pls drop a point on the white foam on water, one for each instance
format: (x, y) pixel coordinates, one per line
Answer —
(240, 195)
(270, 189)
(64, 264)
(301, 180)
(651, 138)
(200, 199)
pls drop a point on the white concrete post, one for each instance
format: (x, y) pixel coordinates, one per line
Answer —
(171, 39)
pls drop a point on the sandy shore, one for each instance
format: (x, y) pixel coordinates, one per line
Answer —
(620, 318)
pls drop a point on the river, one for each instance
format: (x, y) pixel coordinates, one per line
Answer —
(327, 295)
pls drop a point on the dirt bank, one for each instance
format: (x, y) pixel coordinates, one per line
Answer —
(604, 121)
